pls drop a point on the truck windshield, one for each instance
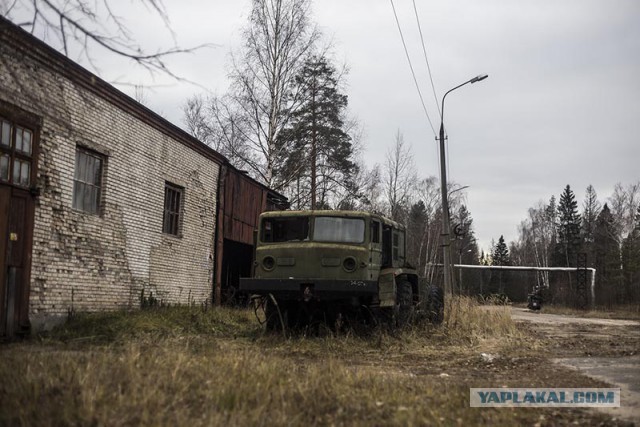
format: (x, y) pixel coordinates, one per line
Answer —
(285, 229)
(341, 230)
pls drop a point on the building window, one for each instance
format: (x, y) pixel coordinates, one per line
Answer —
(172, 207)
(16, 151)
(87, 182)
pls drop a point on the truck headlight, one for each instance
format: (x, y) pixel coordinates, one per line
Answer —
(349, 264)
(268, 263)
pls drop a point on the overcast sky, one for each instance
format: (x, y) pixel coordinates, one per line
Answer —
(560, 105)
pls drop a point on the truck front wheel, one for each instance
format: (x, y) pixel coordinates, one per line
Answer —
(272, 315)
(404, 300)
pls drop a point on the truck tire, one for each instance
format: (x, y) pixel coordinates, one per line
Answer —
(272, 315)
(404, 300)
(435, 306)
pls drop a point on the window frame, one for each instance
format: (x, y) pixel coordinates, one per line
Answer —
(172, 216)
(374, 230)
(80, 182)
(18, 157)
(346, 242)
(398, 245)
(269, 226)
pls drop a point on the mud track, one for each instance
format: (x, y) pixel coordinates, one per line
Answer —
(607, 350)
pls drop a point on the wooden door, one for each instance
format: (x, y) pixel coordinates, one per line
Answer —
(18, 161)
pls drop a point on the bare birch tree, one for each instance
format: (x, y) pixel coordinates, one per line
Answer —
(400, 176)
(428, 192)
(624, 203)
(278, 39)
(216, 123)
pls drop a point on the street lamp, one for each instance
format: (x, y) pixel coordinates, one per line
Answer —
(448, 285)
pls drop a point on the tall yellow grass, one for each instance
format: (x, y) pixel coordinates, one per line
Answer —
(465, 318)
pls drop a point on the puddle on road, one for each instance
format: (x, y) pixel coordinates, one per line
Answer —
(623, 372)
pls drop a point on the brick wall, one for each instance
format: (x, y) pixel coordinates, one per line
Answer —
(89, 262)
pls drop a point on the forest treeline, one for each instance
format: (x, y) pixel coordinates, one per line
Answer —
(606, 231)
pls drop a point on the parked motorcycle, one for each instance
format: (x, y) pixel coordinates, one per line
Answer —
(535, 299)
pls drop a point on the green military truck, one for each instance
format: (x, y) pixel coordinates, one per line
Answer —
(333, 265)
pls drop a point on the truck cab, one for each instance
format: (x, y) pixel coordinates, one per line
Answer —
(336, 259)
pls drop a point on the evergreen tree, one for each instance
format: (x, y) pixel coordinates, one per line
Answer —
(631, 262)
(320, 152)
(500, 254)
(465, 247)
(607, 257)
(569, 222)
(591, 208)
(483, 258)
(551, 215)
(631, 265)
(551, 221)
(465, 240)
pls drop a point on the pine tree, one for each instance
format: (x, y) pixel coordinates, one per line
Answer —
(591, 208)
(465, 247)
(607, 257)
(483, 258)
(631, 261)
(500, 254)
(551, 215)
(568, 229)
(320, 152)
(465, 243)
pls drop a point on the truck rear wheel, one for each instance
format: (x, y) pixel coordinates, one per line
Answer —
(435, 307)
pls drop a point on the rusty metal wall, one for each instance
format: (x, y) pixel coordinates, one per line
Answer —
(241, 201)
(243, 204)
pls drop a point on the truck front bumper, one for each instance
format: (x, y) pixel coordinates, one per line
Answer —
(304, 289)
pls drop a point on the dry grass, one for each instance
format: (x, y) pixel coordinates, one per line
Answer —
(183, 366)
(466, 320)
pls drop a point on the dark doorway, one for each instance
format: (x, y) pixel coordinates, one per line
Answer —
(18, 160)
(237, 260)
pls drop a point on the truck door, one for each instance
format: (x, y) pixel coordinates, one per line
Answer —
(375, 249)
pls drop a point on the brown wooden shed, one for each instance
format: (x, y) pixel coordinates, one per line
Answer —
(241, 200)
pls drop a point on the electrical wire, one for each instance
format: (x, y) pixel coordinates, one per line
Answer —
(424, 50)
(415, 80)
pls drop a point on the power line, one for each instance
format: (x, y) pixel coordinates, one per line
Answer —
(411, 67)
(424, 50)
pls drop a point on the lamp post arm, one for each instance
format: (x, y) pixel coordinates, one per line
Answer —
(445, 95)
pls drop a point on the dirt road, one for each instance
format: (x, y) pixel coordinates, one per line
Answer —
(518, 313)
(604, 349)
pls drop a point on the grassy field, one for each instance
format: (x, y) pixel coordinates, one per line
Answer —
(186, 366)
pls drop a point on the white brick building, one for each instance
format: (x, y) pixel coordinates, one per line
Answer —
(100, 197)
